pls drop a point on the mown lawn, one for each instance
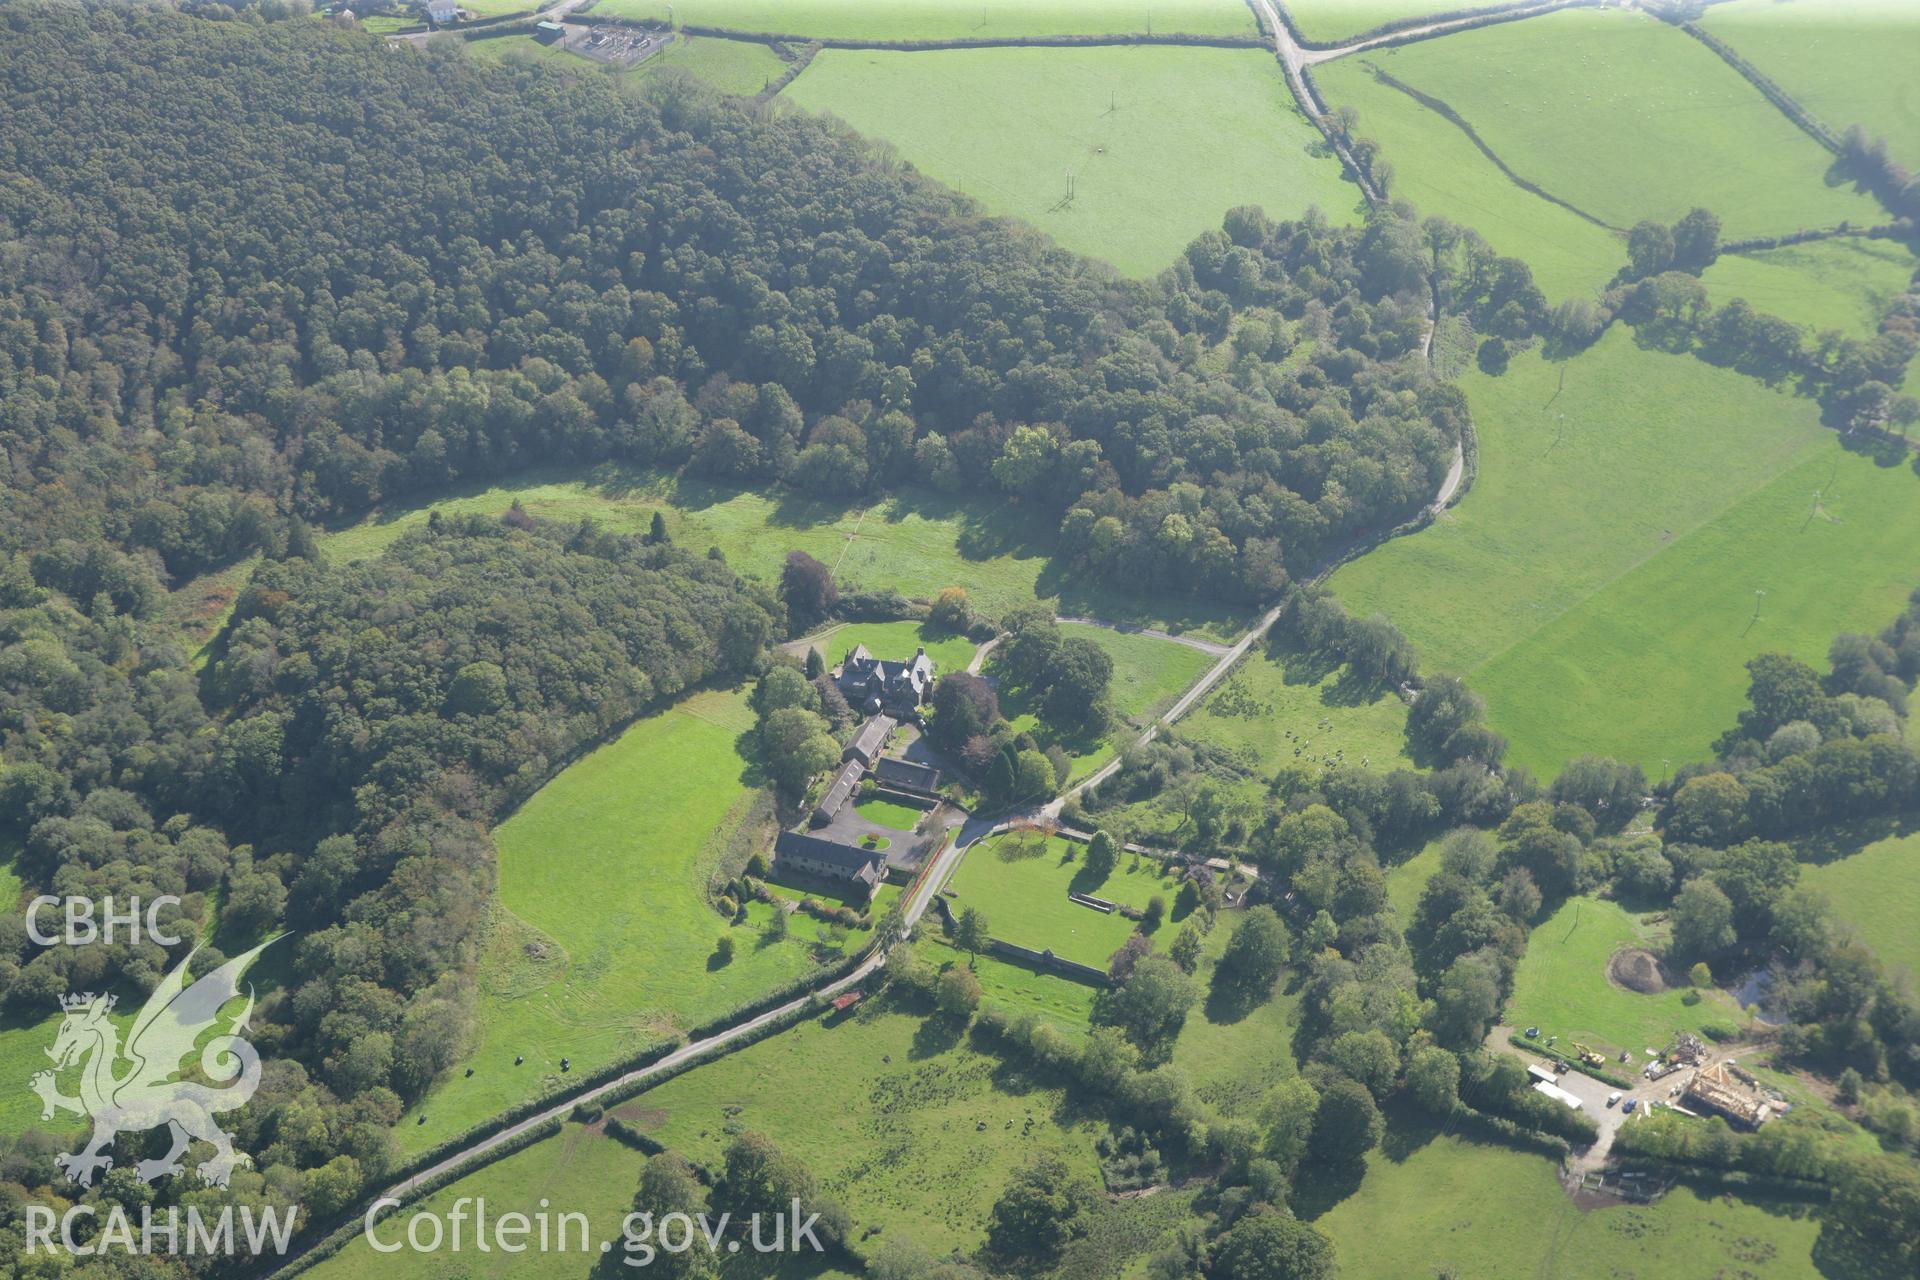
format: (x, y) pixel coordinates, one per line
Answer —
(1597, 585)
(1849, 62)
(947, 19)
(603, 940)
(887, 813)
(915, 541)
(1845, 284)
(1407, 880)
(1020, 884)
(897, 1117)
(1161, 142)
(1330, 714)
(1562, 986)
(1444, 1205)
(895, 642)
(1876, 892)
(1627, 118)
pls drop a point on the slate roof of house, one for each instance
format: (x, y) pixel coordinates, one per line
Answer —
(858, 863)
(837, 794)
(906, 773)
(867, 744)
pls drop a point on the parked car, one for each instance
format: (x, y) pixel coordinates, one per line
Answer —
(1613, 1097)
(1631, 1104)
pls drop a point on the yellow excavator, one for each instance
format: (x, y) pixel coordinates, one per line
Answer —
(1589, 1057)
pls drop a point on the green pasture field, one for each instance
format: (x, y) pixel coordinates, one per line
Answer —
(915, 541)
(1273, 692)
(1846, 61)
(1877, 893)
(1436, 1204)
(946, 19)
(495, 8)
(1562, 986)
(1233, 1055)
(895, 1116)
(603, 939)
(1627, 118)
(896, 642)
(1149, 673)
(1844, 283)
(24, 1041)
(1440, 170)
(1160, 141)
(1025, 897)
(1067, 1004)
(525, 49)
(1597, 584)
(1326, 21)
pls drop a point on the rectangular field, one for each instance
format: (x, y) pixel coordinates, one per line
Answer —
(1159, 142)
(945, 19)
(1021, 884)
(1601, 583)
(1327, 21)
(603, 941)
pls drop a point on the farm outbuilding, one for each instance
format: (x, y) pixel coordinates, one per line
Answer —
(1558, 1094)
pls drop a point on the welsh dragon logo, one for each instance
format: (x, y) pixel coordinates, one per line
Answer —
(144, 1092)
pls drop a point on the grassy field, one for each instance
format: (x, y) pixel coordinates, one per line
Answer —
(1149, 674)
(886, 813)
(1877, 892)
(1160, 142)
(1022, 890)
(739, 67)
(1018, 989)
(947, 19)
(1843, 284)
(578, 1170)
(895, 1116)
(1848, 63)
(1562, 986)
(1440, 170)
(1406, 880)
(636, 828)
(1627, 118)
(1442, 1205)
(1597, 584)
(1326, 21)
(894, 641)
(1231, 1054)
(1271, 694)
(915, 542)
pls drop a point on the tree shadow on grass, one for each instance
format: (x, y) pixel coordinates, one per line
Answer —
(1321, 1186)
(1408, 1130)
(936, 1034)
(1843, 841)
(1231, 1002)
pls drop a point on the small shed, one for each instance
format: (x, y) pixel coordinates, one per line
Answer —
(549, 32)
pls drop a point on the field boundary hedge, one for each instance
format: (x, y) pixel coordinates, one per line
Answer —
(1535, 1047)
(934, 44)
(1468, 19)
(1787, 104)
(1446, 112)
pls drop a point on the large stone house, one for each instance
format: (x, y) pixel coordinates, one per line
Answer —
(874, 685)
